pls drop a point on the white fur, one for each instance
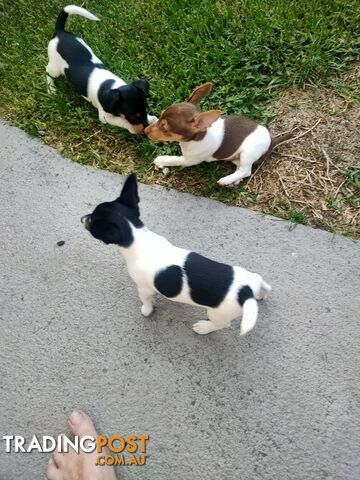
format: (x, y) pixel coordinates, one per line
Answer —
(194, 152)
(75, 10)
(57, 65)
(150, 253)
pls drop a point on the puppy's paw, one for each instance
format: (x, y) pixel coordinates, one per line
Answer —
(102, 117)
(228, 182)
(147, 310)
(51, 88)
(130, 129)
(152, 118)
(264, 292)
(202, 327)
(161, 162)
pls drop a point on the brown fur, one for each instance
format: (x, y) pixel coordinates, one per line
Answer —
(236, 130)
(183, 122)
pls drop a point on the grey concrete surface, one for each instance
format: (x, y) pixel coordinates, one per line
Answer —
(281, 403)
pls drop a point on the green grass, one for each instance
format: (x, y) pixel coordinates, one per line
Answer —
(250, 49)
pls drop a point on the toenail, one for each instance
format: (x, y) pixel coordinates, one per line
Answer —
(75, 417)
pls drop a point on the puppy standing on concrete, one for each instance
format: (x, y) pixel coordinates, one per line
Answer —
(156, 265)
(208, 136)
(119, 104)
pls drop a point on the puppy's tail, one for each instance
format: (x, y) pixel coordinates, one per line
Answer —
(276, 141)
(250, 309)
(280, 139)
(71, 10)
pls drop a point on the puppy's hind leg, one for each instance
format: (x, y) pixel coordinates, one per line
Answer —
(265, 289)
(52, 72)
(218, 319)
(243, 163)
(51, 88)
(147, 298)
(53, 68)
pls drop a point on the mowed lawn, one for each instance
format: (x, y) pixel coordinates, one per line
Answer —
(252, 51)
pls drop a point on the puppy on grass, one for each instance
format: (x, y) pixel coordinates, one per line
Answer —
(118, 104)
(157, 266)
(210, 136)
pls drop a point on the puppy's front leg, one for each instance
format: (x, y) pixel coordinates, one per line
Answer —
(147, 298)
(105, 117)
(172, 161)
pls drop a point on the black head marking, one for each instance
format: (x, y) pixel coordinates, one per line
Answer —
(128, 101)
(142, 85)
(133, 102)
(129, 194)
(111, 222)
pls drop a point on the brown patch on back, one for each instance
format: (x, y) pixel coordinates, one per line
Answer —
(236, 130)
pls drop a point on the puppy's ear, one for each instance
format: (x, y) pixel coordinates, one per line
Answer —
(106, 231)
(129, 193)
(142, 85)
(112, 98)
(199, 93)
(203, 121)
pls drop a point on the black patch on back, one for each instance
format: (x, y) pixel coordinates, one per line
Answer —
(169, 281)
(209, 281)
(244, 294)
(78, 57)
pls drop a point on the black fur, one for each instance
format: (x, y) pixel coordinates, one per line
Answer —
(245, 293)
(79, 60)
(60, 22)
(209, 281)
(128, 100)
(169, 281)
(110, 221)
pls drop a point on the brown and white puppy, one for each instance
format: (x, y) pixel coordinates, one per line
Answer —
(210, 136)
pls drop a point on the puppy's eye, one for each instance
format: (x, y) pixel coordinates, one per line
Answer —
(138, 115)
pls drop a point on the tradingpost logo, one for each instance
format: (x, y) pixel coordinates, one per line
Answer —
(113, 450)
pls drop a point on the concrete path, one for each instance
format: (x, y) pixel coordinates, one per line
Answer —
(279, 404)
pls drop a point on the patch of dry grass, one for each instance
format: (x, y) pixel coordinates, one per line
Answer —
(319, 173)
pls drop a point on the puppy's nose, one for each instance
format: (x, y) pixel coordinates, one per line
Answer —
(84, 218)
(139, 128)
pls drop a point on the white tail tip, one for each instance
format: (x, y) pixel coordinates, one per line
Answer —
(75, 10)
(250, 314)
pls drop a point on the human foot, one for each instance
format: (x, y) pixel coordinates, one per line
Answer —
(82, 466)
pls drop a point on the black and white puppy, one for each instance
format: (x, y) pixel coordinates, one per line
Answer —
(119, 104)
(156, 265)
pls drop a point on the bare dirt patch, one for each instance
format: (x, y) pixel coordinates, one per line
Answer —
(316, 178)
